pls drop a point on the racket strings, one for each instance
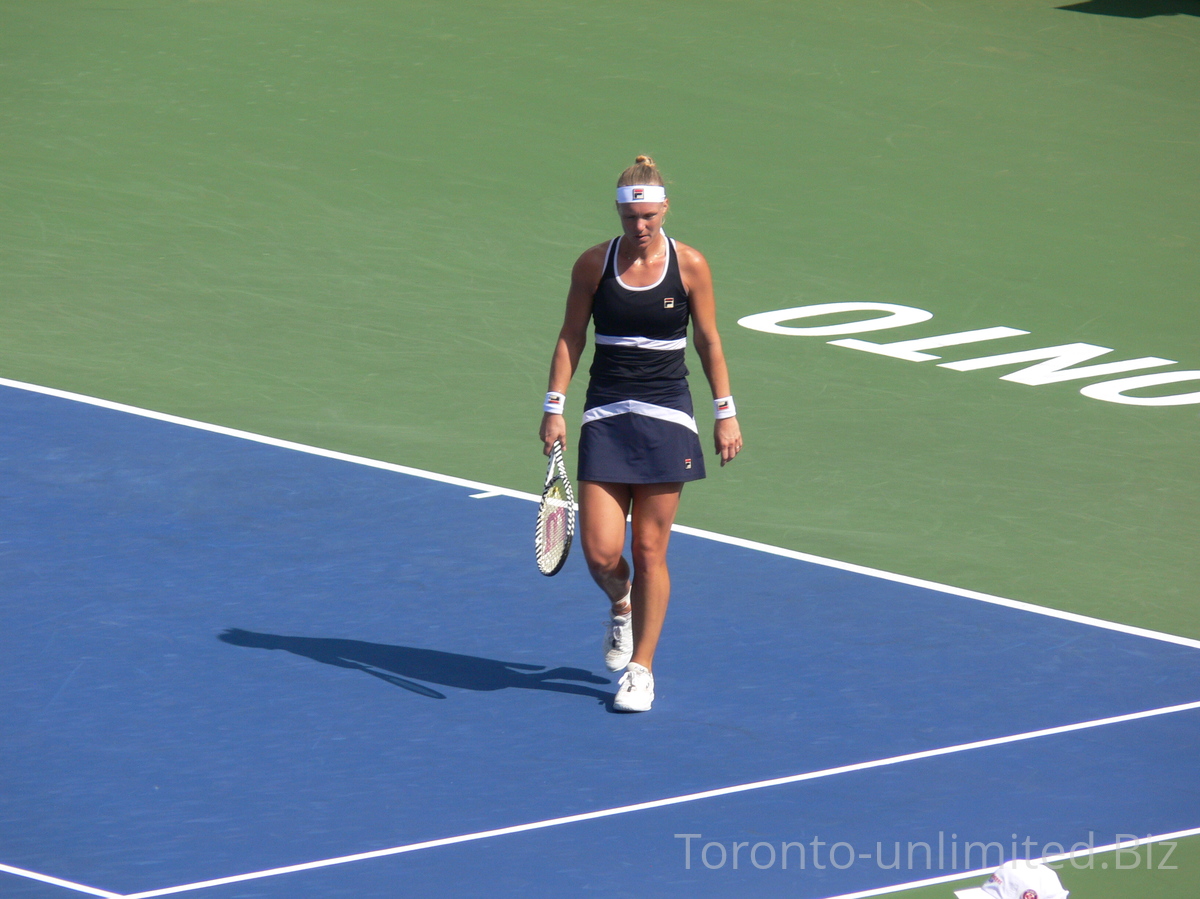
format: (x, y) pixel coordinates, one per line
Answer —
(556, 519)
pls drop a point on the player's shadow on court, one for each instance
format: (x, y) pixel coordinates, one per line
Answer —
(1136, 9)
(404, 666)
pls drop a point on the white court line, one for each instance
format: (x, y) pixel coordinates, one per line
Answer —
(269, 441)
(672, 800)
(941, 588)
(59, 882)
(862, 894)
(490, 490)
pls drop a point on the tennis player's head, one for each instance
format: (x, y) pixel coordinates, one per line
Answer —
(642, 201)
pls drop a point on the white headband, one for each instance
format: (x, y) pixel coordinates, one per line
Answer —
(642, 193)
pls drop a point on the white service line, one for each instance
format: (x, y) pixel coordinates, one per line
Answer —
(673, 800)
(59, 882)
(491, 490)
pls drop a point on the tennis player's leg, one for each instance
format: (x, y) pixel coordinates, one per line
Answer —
(654, 508)
(602, 512)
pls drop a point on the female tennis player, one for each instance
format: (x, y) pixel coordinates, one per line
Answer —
(639, 442)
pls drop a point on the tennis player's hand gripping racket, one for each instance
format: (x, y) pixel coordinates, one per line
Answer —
(556, 516)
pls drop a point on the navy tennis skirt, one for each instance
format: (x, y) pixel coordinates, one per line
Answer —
(639, 436)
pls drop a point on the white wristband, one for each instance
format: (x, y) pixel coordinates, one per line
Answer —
(554, 403)
(724, 407)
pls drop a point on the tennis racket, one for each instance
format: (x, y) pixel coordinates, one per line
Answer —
(556, 516)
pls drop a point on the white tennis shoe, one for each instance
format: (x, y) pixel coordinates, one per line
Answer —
(637, 690)
(618, 641)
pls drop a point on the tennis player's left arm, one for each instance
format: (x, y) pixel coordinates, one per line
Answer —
(697, 278)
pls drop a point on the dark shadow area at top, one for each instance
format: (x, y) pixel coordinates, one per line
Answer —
(1136, 9)
(403, 666)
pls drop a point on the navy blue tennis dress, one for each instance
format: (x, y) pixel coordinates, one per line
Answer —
(638, 426)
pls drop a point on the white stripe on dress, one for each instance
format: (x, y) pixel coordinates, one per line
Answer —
(645, 343)
(637, 407)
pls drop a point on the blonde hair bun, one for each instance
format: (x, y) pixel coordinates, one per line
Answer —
(643, 171)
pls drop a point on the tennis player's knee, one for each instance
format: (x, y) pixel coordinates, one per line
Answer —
(603, 563)
(649, 552)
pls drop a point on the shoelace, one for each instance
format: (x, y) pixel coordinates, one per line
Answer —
(635, 680)
(616, 629)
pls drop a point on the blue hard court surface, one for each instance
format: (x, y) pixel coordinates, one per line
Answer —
(221, 657)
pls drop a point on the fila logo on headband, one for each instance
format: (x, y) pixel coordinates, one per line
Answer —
(641, 193)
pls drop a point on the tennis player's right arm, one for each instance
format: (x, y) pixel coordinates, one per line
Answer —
(572, 339)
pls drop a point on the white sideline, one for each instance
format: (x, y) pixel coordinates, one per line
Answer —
(490, 490)
(58, 882)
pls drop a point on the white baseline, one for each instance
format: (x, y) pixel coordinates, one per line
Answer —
(491, 490)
